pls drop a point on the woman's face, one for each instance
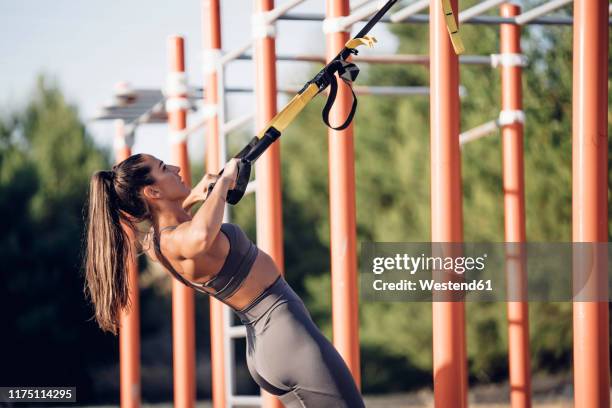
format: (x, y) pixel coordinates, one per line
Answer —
(168, 184)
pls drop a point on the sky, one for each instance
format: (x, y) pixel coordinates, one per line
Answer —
(89, 46)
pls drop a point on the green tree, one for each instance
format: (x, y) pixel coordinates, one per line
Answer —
(46, 159)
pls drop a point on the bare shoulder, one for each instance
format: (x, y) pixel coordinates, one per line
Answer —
(170, 240)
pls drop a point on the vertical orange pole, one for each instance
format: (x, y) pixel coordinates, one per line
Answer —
(183, 310)
(129, 333)
(590, 195)
(449, 355)
(267, 168)
(514, 212)
(603, 312)
(211, 34)
(211, 37)
(345, 304)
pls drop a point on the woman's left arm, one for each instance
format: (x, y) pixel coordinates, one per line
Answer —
(190, 201)
(199, 192)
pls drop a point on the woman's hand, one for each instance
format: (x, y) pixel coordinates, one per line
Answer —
(200, 191)
(202, 187)
(230, 172)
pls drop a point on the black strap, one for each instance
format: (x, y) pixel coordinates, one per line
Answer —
(244, 173)
(348, 73)
(242, 181)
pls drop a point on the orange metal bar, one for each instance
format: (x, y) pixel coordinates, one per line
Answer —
(590, 195)
(129, 333)
(268, 196)
(603, 312)
(449, 355)
(514, 215)
(345, 306)
(211, 35)
(183, 308)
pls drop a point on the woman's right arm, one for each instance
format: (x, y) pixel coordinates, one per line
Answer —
(196, 236)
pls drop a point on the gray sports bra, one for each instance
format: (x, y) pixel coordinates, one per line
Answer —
(235, 269)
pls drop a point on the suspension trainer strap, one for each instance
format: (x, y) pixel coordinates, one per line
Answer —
(346, 71)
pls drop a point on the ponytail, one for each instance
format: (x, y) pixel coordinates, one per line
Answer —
(107, 252)
(114, 199)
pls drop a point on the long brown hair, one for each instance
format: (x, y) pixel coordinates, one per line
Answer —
(114, 198)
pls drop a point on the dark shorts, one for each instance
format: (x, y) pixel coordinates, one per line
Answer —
(288, 356)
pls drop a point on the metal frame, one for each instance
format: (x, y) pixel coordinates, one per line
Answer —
(357, 4)
(342, 219)
(591, 331)
(478, 132)
(424, 19)
(479, 8)
(359, 14)
(215, 156)
(539, 11)
(408, 11)
(591, 26)
(379, 59)
(183, 302)
(448, 318)
(129, 334)
(511, 120)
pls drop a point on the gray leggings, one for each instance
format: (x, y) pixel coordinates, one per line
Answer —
(288, 356)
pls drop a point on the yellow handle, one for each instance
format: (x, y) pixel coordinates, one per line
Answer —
(365, 40)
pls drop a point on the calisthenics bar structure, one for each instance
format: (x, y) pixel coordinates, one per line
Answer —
(590, 202)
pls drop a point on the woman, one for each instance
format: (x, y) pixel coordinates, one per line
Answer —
(287, 355)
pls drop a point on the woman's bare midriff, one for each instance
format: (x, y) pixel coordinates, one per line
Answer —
(263, 272)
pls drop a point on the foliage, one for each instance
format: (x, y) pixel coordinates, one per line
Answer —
(46, 159)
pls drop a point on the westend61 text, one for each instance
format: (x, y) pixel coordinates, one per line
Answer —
(430, 284)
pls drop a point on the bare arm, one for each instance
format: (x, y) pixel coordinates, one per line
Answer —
(196, 236)
(190, 201)
(209, 217)
(199, 192)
